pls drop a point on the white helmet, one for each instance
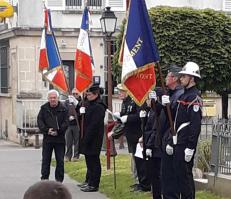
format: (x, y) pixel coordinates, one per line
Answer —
(191, 68)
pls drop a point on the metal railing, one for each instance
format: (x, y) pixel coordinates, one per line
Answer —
(221, 147)
(79, 4)
(26, 115)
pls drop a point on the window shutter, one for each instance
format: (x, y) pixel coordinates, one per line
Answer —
(117, 5)
(227, 5)
(55, 4)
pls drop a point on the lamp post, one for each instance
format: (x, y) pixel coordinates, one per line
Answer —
(108, 23)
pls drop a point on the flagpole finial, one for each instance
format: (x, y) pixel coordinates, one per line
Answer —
(44, 3)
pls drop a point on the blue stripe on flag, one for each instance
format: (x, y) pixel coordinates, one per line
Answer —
(139, 30)
(52, 52)
(85, 20)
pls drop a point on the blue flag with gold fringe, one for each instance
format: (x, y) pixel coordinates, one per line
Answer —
(139, 53)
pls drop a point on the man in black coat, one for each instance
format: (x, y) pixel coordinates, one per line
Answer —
(152, 140)
(93, 131)
(168, 178)
(52, 122)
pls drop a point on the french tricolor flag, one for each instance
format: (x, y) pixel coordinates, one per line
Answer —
(83, 60)
(50, 64)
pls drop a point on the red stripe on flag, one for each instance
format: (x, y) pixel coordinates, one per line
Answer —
(84, 71)
(43, 63)
(139, 84)
(60, 81)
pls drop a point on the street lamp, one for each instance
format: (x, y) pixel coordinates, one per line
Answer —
(108, 23)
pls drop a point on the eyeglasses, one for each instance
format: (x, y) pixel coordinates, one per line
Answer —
(74, 93)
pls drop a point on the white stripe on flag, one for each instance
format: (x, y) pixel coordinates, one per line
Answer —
(83, 42)
(128, 62)
(50, 75)
(43, 42)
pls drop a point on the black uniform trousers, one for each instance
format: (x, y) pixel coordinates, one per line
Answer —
(153, 168)
(59, 149)
(93, 170)
(177, 177)
(141, 167)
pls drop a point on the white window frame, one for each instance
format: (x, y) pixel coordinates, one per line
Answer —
(62, 7)
(224, 5)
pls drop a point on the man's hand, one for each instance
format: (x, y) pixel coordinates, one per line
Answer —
(72, 100)
(165, 100)
(109, 135)
(188, 154)
(124, 119)
(143, 114)
(52, 132)
(116, 115)
(71, 118)
(152, 95)
(149, 153)
(169, 149)
(82, 110)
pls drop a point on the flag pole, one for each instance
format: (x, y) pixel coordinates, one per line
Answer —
(168, 105)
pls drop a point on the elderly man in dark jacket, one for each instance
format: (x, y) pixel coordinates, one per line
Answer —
(93, 131)
(52, 122)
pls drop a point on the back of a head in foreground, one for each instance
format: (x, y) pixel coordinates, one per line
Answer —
(46, 189)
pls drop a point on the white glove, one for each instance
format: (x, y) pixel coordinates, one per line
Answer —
(116, 115)
(124, 119)
(169, 149)
(152, 95)
(71, 118)
(143, 114)
(141, 139)
(165, 100)
(72, 100)
(149, 153)
(188, 154)
(82, 110)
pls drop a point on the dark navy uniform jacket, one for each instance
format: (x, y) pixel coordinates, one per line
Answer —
(132, 128)
(151, 133)
(165, 126)
(188, 118)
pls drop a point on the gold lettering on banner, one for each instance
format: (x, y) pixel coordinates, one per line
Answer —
(137, 46)
(144, 76)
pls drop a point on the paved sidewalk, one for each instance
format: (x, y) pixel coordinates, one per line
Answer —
(20, 168)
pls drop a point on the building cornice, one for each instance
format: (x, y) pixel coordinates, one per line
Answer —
(36, 32)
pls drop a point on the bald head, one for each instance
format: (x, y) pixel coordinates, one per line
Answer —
(46, 189)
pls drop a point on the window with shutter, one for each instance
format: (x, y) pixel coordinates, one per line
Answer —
(227, 5)
(117, 5)
(4, 67)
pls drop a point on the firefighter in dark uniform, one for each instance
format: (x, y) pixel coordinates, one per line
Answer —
(129, 116)
(168, 179)
(52, 122)
(187, 125)
(93, 131)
